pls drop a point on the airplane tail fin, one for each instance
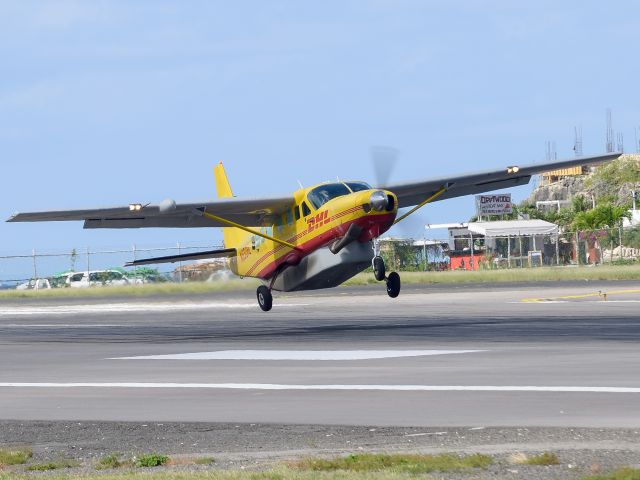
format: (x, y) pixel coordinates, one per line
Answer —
(233, 237)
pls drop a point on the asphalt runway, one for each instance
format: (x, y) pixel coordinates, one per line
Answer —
(482, 356)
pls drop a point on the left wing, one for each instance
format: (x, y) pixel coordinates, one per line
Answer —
(223, 253)
(247, 212)
(414, 193)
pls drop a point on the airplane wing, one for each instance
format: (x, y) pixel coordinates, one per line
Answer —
(414, 192)
(223, 253)
(247, 212)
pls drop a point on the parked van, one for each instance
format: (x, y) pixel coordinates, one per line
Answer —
(97, 278)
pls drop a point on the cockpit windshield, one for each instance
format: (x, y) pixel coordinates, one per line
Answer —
(322, 194)
(358, 186)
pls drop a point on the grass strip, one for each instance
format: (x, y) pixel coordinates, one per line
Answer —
(542, 274)
(14, 456)
(402, 463)
(275, 474)
(55, 465)
(626, 473)
(111, 461)
(136, 290)
(546, 458)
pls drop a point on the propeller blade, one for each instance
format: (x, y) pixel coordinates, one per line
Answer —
(384, 160)
(412, 226)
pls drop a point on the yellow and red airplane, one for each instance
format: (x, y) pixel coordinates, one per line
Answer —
(318, 237)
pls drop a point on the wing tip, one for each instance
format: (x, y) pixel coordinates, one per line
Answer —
(13, 217)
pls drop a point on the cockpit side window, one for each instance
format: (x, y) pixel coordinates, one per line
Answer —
(322, 194)
(358, 186)
(305, 209)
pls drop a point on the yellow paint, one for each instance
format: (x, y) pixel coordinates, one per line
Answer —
(231, 236)
(247, 229)
(577, 297)
(283, 234)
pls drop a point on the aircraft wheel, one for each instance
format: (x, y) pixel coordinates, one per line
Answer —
(393, 285)
(378, 268)
(265, 299)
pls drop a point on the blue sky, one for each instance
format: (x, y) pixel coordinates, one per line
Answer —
(112, 102)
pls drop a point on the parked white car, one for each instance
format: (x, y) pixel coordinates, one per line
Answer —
(97, 278)
(35, 284)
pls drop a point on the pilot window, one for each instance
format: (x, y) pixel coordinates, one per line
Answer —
(358, 186)
(296, 212)
(305, 209)
(322, 194)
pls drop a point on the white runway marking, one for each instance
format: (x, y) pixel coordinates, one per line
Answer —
(275, 386)
(316, 355)
(61, 325)
(127, 308)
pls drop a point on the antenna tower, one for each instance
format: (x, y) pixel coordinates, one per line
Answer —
(610, 135)
(577, 142)
(551, 151)
(620, 143)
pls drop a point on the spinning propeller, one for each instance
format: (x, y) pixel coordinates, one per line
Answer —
(384, 160)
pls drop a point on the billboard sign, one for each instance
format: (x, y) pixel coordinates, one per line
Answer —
(498, 204)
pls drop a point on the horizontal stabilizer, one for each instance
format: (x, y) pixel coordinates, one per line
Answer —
(226, 252)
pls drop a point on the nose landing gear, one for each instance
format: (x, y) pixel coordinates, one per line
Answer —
(393, 280)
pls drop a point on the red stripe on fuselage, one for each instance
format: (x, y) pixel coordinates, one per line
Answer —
(321, 240)
(295, 238)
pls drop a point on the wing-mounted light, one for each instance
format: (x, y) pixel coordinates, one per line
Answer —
(135, 207)
(513, 169)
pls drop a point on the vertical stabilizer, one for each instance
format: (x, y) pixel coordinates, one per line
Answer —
(233, 237)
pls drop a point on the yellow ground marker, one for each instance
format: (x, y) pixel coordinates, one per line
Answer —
(599, 293)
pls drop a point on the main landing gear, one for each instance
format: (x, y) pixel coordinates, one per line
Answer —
(393, 280)
(265, 299)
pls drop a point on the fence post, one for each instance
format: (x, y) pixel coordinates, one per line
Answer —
(557, 248)
(135, 268)
(611, 259)
(35, 266)
(520, 246)
(88, 262)
(620, 236)
(179, 266)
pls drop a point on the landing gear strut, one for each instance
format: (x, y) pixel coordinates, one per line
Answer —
(379, 272)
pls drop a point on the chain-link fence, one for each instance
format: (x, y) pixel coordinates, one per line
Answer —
(473, 252)
(86, 266)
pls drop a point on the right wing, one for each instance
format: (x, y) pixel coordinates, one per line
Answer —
(414, 192)
(247, 212)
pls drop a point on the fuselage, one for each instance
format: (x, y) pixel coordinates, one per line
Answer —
(320, 216)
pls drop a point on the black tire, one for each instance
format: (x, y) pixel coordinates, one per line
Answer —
(393, 285)
(378, 268)
(265, 299)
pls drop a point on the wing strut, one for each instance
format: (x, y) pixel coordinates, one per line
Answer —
(247, 229)
(422, 204)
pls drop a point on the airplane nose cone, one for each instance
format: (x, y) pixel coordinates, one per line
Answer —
(378, 200)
